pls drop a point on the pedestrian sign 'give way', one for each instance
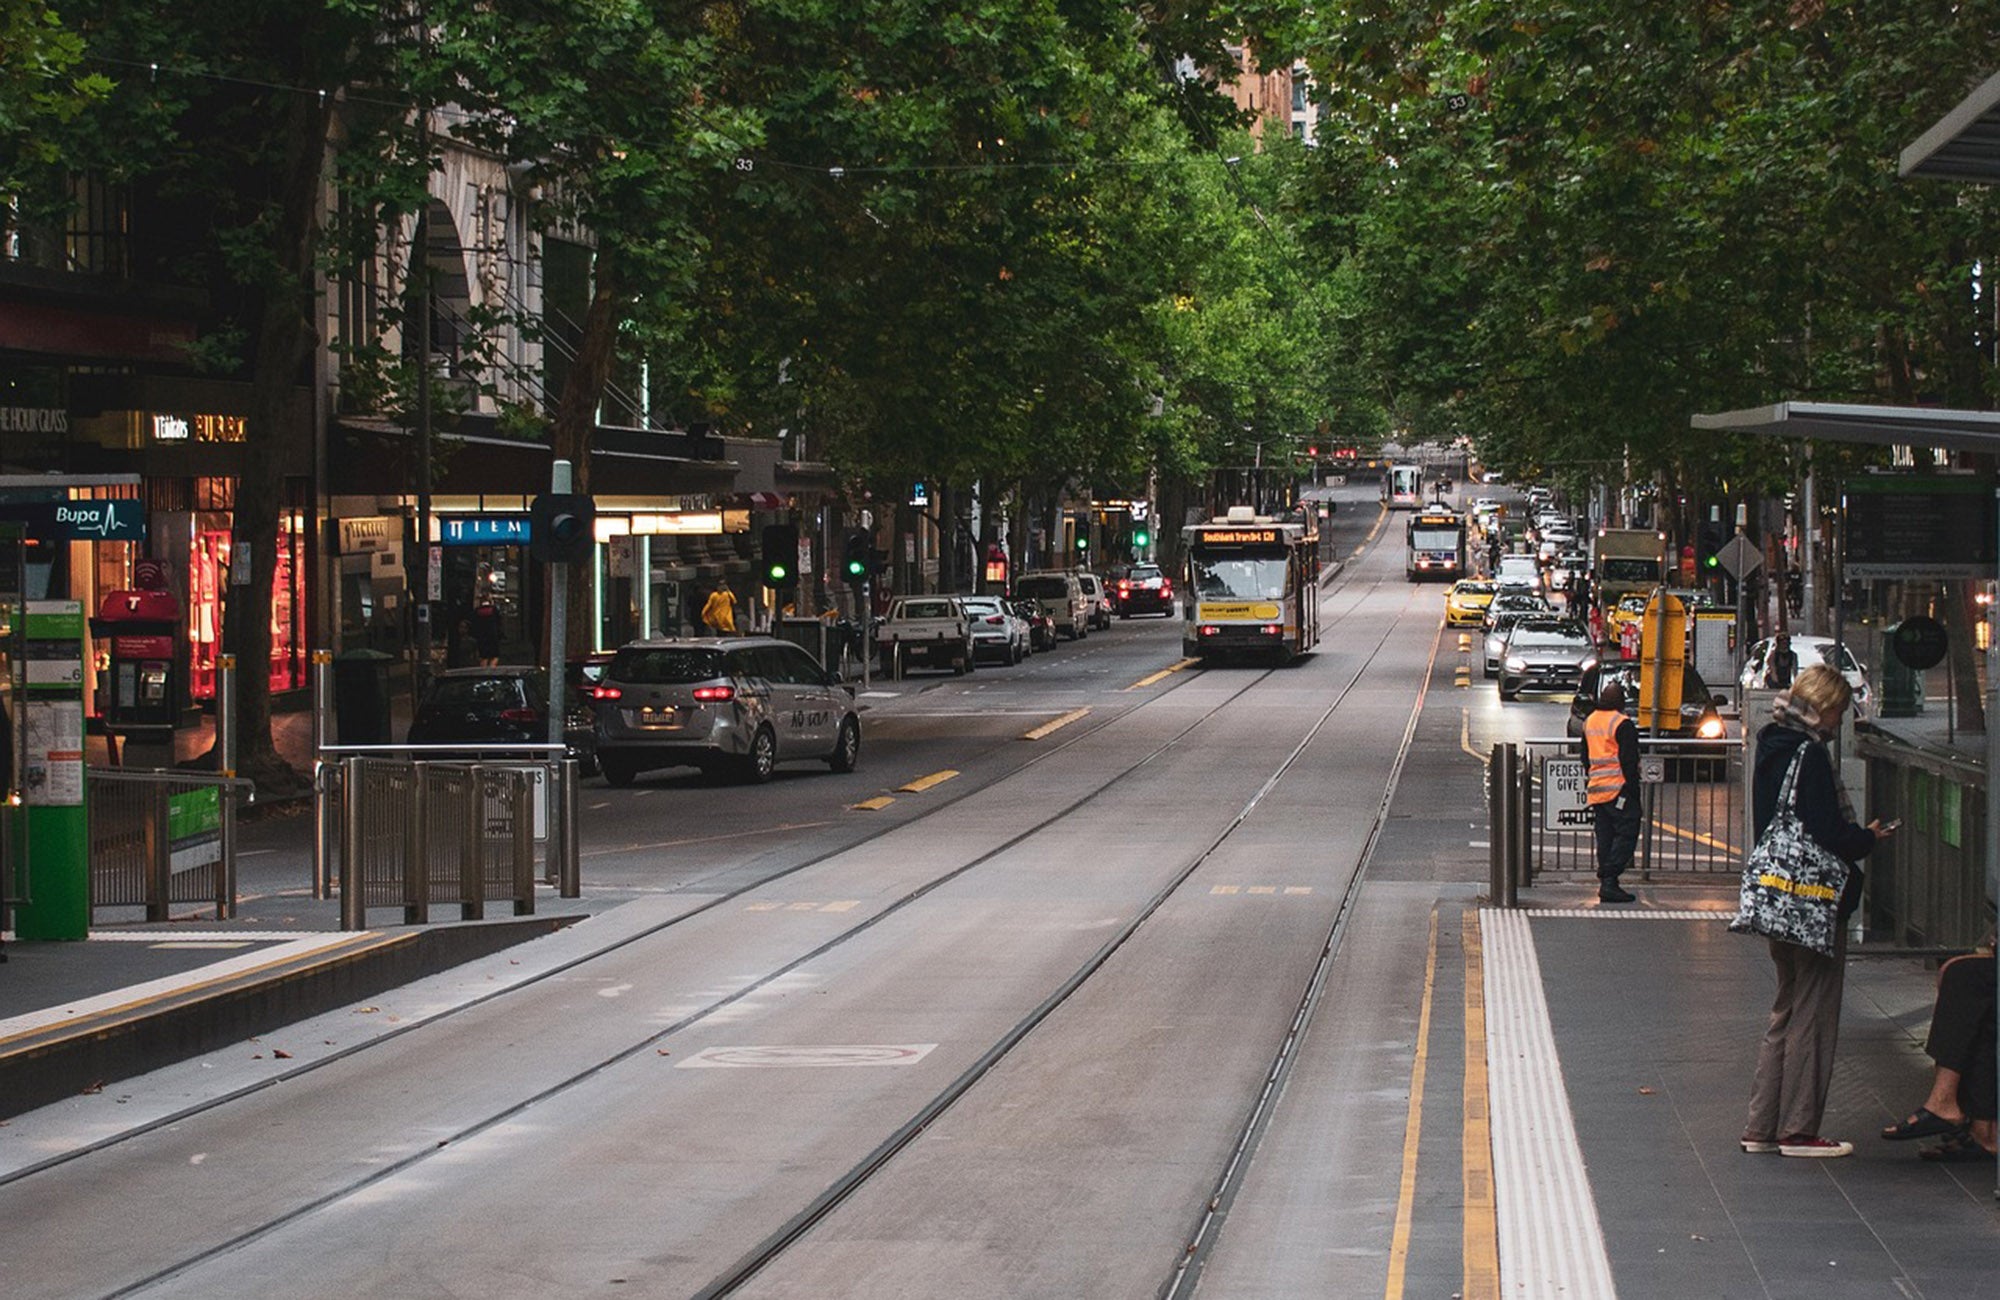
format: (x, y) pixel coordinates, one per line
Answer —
(1564, 807)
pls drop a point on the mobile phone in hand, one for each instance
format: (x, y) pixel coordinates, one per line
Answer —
(1894, 823)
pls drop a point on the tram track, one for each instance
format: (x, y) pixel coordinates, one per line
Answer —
(1339, 599)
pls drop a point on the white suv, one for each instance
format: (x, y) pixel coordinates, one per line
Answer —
(1099, 597)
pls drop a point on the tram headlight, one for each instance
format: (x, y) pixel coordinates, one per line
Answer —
(1710, 729)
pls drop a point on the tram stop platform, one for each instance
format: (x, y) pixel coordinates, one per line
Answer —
(1574, 1133)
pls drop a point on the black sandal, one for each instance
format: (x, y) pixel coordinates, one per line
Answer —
(1959, 1148)
(1925, 1123)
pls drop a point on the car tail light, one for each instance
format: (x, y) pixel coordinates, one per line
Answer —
(995, 619)
(714, 694)
(606, 693)
(1125, 588)
(519, 715)
(1166, 588)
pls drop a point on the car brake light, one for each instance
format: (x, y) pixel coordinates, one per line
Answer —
(714, 694)
(995, 619)
(518, 715)
(606, 693)
(1166, 588)
(1125, 587)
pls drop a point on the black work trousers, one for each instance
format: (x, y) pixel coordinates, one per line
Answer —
(1616, 822)
(1962, 1031)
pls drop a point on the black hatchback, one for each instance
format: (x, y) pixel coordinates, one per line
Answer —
(504, 705)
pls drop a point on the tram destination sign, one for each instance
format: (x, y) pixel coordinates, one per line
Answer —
(1907, 526)
(1241, 537)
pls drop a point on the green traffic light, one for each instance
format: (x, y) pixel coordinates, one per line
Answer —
(1083, 543)
(1713, 562)
(1141, 537)
(778, 573)
(855, 568)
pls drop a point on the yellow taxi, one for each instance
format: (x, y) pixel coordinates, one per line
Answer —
(1632, 610)
(1465, 604)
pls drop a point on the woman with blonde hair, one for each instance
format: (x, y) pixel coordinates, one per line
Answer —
(1795, 1062)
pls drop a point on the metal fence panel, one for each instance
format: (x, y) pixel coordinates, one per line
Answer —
(1691, 820)
(159, 838)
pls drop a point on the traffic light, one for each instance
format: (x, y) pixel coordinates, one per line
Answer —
(1141, 538)
(560, 527)
(1708, 546)
(860, 556)
(781, 555)
(1082, 544)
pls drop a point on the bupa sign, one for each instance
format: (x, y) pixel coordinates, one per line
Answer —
(81, 521)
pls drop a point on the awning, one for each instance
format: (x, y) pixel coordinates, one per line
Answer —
(1965, 143)
(1916, 426)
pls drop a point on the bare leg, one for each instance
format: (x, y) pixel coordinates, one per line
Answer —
(1943, 1101)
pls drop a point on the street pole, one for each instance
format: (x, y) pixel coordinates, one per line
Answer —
(559, 481)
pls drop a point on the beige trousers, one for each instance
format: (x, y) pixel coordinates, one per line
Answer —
(1795, 1062)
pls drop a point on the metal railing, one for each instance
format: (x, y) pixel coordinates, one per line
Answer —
(159, 838)
(1692, 812)
(413, 826)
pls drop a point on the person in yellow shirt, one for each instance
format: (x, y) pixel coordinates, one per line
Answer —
(718, 612)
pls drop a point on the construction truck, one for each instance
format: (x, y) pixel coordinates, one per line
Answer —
(1626, 562)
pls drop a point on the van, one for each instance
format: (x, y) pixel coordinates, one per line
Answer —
(1099, 598)
(1062, 599)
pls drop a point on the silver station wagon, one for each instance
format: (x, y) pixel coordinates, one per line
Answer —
(727, 705)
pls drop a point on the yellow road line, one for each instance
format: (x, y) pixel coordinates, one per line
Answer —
(1465, 736)
(877, 804)
(1696, 836)
(1399, 1240)
(1056, 724)
(1163, 674)
(1481, 1235)
(924, 783)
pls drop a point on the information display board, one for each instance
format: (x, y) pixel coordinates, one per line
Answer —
(1918, 526)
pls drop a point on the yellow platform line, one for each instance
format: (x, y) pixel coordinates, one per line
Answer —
(924, 783)
(1413, 1128)
(1481, 1234)
(1163, 674)
(877, 804)
(1696, 836)
(1056, 724)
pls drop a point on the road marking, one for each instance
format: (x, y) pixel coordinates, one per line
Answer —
(1465, 736)
(790, 1057)
(1413, 1127)
(1480, 1248)
(1696, 836)
(877, 804)
(1056, 724)
(1294, 891)
(924, 783)
(1298, 889)
(776, 829)
(1164, 673)
(201, 945)
(1465, 642)
(1226, 889)
(1552, 1240)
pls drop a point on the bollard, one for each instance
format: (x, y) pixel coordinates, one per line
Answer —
(472, 849)
(225, 714)
(1498, 831)
(353, 903)
(572, 861)
(324, 778)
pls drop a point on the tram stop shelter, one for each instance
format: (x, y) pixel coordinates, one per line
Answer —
(1962, 147)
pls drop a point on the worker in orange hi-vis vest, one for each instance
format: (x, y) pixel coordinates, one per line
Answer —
(1611, 786)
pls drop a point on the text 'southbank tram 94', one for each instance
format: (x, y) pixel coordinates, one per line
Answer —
(1251, 587)
(1437, 547)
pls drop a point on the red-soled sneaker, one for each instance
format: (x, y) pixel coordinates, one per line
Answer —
(1801, 1144)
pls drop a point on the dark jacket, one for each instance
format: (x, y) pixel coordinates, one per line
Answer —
(1817, 800)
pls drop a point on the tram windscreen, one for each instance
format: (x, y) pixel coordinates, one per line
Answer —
(1239, 575)
(1631, 570)
(1434, 539)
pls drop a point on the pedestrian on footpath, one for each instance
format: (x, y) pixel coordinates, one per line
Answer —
(1961, 1106)
(1611, 786)
(1795, 1061)
(719, 610)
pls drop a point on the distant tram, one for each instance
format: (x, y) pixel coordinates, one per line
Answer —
(1403, 487)
(1252, 587)
(1436, 547)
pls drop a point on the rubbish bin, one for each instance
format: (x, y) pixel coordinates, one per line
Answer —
(361, 697)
